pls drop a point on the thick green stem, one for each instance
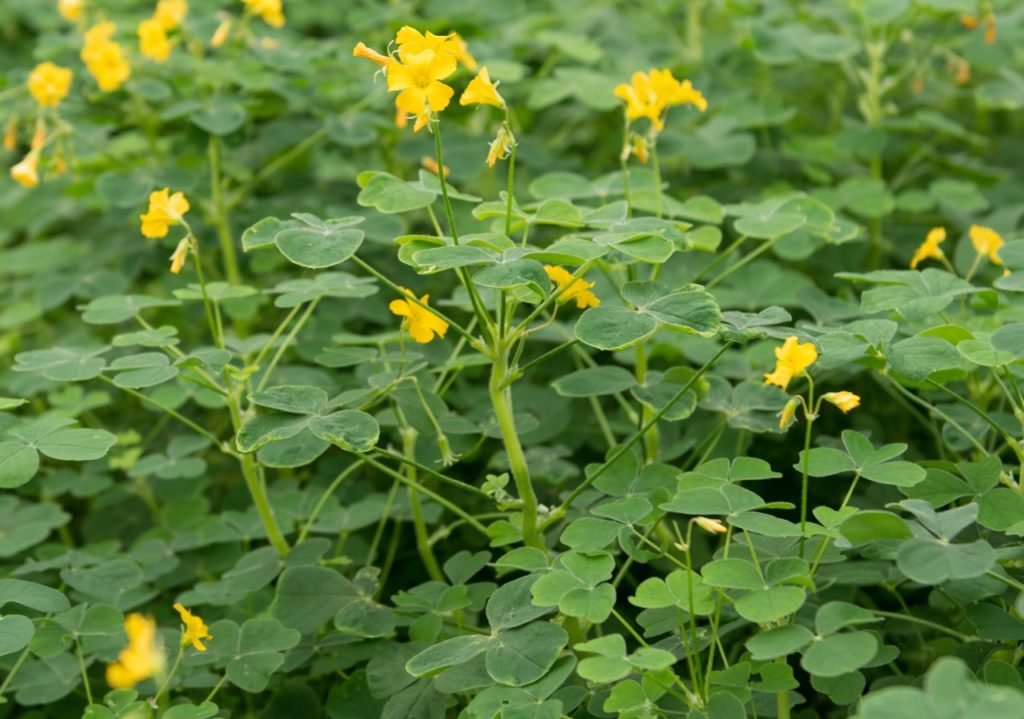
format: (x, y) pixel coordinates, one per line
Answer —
(782, 698)
(501, 400)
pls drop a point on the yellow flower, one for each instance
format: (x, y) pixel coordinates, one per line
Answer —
(361, 50)
(577, 289)
(462, 54)
(429, 163)
(141, 659)
(930, 247)
(417, 79)
(792, 358)
(26, 172)
(481, 91)
(423, 324)
(165, 210)
(104, 58)
(640, 148)
(153, 41)
(650, 94)
(501, 145)
(270, 10)
(713, 526)
(49, 84)
(986, 241)
(843, 400)
(11, 134)
(195, 628)
(170, 13)
(178, 258)
(788, 412)
(220, 35)
(71, 10)
(411, 41)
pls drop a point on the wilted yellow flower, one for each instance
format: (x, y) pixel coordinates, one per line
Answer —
(417, 79)
(711, 525)
(423, 324)
(71, 10)
(463, 54)
(11, 134)
(104, 58)
(170, 13)
(195, 628)
(26, 172)
(481, 91)
(153, 41)
(165, 210)
(929, 249)
(987, 242)
(220, 35)
(792, 358)
(270, 10)
(501, 145)
(179, 257)
(578, 289)
(141, 659)
(843, 400)
(640, 148)
(650, 94)
(788, 412)
(367, 53)
(49, 83)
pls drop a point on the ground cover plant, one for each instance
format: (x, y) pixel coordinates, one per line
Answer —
(511, 360)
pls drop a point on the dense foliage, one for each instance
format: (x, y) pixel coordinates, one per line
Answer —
(572, 359)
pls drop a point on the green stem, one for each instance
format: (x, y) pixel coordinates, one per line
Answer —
(227, 242)
(14, 670)
(511, 179)
(782, 697)
(1013, 444)
(651, 438)
(331, 489)
(746, 259)
(163, 408)
(423, 546)
(659, 199)
(81, 666)
(216, 688)
(810, 414)
(218, 337)
(170, 675)
(287, 342)
(923, 622)
(521, 369)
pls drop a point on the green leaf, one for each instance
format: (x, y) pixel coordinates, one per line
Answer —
(252, 653)
(32, 595)
(307, 597)
(63, 364)
(511, 604)
(349, 429)
(18, 464)
(390, 195)
(523, 655)
(445, 654)
(839, 654)
(779, 642)
(732, 574)
(771, 604)
(221, 116)
(873, 526)
(934, 561)
(613, 328)
(295, 399)
(16, 632)
(594, 382)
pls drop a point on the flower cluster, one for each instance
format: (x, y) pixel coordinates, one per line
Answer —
(651, 94)
(792, 360)
(104, 57)
(271, 11)
(985, 240)
(152, 32)
(144, 658)
(49, 83)
(572, 288)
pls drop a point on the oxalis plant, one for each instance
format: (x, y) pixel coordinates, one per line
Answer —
(581, 444)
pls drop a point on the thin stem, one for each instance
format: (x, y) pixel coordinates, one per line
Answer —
(810, 414)
(521, 370)
(750, 257)
(81, 666)
(14, 670)
(277, 333)
(423, 546)
(218, 337)
(1014, 445)
(164, 408)
(287, 342)
(220, 212)
(659, 200)
(170, 675)
(216, 688)
(331, 489)
(923, 622)
(433, 473)
(511, 177)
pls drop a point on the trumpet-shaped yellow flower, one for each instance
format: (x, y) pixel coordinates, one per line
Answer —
(577, 289)
(220, 35)
(170, 13)
(270, 10)
(195, 628)
(71, 10)
(367, 53)
(104, 58)
(26, 172)
(423, 324)
(792, 358)
(987, 242)
(462, 54)
(481, 91)
(179, 257)
(708, 524)
(651, 94)
(417, 79)
(788, 412)
(843, 400)
(141, 659)
(929, 249)
(153, 42)
(501, 145)
(165, 210)
(49, 83)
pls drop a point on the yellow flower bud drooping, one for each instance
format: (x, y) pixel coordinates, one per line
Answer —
(71, 10)
(170, 13)
(843, 400)
(141, 659)
(788, 412)
(640, 148)
(423, 324)
(792, 358)
(577, 289)
(195, 629)
(179, 257)
(713, 526)
(49, 84)
(220, 35)
(501, 145)
(481, 91)
(270, 10)
(929, 249)
(987, 242)
(368, 53)
(165, 210)
(26, 172)
(153, 42)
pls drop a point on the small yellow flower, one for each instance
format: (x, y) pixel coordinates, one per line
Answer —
(153, 41)
(481, 91)
(640, 148)
(501, 145)
(651, 94)
(367, 53)
(195, 628)
(165, 210)
(270, 10)
(423, 324)
(713, 526)
(170, 13)
(11, 134)
(792, 358)
(578, 289)
(71, 10)
(929, 249)
(788, 412)
(178, 259)
(220, 35)
(104, 58)
(26, 172)
(49, 84)
(429, 163)
(141, 659)
(843, 400)
(987, 242)
(462, 54)
(417, 79)
(39, 136)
